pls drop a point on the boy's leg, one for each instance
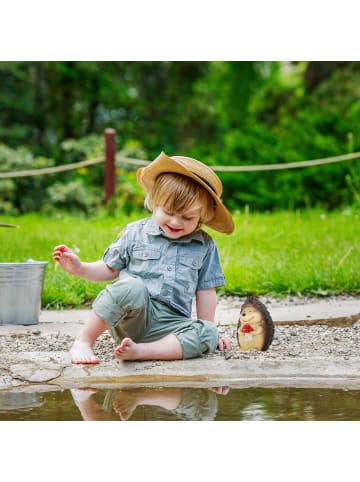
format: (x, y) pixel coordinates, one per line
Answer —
(121, 307)
(126, 401)
(81, 351)
(188, 339)
(167, 348)
(170, 336)
(125, 306)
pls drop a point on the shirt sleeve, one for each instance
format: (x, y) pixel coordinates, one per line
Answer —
(116, 255)
(211, 274)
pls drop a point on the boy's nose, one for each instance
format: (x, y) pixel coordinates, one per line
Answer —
(175, 221)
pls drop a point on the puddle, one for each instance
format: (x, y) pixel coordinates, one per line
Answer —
(179, 403)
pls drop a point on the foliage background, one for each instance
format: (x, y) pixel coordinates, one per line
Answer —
(223, 113)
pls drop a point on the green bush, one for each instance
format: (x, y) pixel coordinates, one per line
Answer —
(22, 194)
(74, 197)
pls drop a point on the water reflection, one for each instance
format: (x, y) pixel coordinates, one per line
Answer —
(178, 403)
(150, 403)
(19, 400)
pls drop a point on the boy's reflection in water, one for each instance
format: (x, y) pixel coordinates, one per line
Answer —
(171, 403)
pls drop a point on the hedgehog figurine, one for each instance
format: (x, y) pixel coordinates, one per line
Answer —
(255, 329)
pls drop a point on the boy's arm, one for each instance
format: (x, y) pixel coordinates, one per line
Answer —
(205, 310)
(206, 304)
(97, 271)
(70, 262)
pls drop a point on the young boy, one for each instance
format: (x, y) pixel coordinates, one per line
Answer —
(162, 262)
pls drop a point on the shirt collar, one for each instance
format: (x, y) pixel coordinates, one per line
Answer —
(154, 229)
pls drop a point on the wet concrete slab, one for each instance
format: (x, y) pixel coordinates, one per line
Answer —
(57, 370)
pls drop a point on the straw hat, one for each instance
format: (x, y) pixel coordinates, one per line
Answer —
(204, 175)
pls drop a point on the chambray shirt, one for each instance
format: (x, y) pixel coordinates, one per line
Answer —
(172, 270)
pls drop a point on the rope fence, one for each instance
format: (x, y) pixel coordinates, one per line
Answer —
(52, 170)
(264, 167)
(121, 160)
(112, 160)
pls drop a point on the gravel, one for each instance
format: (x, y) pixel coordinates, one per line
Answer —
(293, 341)
(306, 342)
(298, 341)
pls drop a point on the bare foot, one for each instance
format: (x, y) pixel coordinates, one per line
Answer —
(124, 404)
(128, 350)
(81, 352)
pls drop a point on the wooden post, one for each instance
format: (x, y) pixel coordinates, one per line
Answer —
(109, 170)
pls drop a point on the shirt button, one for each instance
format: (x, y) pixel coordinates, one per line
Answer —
(169, 268)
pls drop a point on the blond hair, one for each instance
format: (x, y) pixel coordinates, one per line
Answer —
(177, 194)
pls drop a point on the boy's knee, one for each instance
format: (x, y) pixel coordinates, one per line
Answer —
(121, 299)
(128, 291)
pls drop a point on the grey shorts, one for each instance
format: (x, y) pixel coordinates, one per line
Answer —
(128, 309)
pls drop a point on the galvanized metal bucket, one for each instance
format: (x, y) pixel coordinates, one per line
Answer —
(21, 286)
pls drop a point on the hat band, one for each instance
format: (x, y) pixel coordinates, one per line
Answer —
(205, 181)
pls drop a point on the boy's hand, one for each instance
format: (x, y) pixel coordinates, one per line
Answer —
(224, 344)
(68, 260)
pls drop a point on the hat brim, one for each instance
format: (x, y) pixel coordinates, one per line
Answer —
(146, 176)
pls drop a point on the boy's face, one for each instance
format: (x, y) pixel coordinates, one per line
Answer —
(177, 225)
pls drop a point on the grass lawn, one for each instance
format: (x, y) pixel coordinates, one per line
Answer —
(308, 252)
